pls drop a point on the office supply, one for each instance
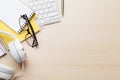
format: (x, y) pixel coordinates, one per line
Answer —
(20, 36)
(3, 50)
(62, 7)
(47, 10)
(17, 53)
(30, 31)
(10, 12)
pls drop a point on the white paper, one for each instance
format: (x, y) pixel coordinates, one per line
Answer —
(10, 11)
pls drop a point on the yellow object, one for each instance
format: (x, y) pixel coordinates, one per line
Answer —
(20, 36)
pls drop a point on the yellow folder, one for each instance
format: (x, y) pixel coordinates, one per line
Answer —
(20, 36)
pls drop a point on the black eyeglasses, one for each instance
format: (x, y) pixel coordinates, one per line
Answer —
(30, 32)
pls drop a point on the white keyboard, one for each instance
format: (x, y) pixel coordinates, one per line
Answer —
(47, 11)
(3, 49)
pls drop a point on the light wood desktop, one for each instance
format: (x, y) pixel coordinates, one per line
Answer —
(84, 46)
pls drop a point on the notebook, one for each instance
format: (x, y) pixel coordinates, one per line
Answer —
(10, 11)
(20, 36)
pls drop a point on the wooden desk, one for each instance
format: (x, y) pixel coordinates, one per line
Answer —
(84, 46)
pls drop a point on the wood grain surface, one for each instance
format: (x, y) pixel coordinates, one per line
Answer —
(84, 46)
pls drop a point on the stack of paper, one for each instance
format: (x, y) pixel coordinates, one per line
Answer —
(10, 12)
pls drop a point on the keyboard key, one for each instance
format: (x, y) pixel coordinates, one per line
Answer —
(49, 5)
(39, 7)
(44, 6)
(51, 0)
(54, 6)
(45, 1)
(46, 10)
(51, 9)
(45, 15)
(41, 11)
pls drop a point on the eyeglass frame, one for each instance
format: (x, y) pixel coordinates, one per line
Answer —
(35, 41)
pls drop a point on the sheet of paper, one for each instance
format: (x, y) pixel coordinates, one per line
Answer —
(10, 11)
